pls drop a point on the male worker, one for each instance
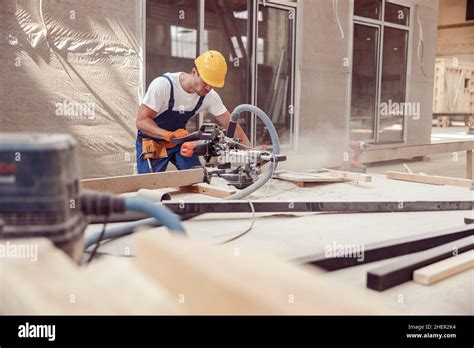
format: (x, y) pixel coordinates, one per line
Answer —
(171, 100)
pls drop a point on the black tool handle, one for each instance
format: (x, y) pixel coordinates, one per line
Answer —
(190, 137)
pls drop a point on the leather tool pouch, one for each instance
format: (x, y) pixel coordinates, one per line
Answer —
(152, 149)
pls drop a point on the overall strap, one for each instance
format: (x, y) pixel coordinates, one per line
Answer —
(171, 101)
(198, 105)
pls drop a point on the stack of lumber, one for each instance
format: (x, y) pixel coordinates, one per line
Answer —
(425, 258)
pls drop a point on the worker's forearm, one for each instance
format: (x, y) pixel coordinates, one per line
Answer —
(240, 134)
(149, 127)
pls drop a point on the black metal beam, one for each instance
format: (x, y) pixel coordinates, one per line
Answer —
(205, 207)
(401, 271)
(388, 249)
(312, 207)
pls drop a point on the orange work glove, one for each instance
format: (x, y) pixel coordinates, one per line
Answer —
(179, 133)
(167, 136)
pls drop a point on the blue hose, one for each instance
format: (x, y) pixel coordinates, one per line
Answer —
(262, 180)
(160, 215)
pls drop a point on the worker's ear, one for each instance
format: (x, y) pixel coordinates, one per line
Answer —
(194, 72)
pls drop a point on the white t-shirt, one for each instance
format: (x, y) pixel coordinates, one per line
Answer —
(158, 96)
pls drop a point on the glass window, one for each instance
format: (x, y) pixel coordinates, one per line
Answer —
(396, 14)
(226, 27)
(379, 75)
(394, 67)
(171, 34)
(364, 82)
(274, 73)
(171, 39)
(368, 8)
(184, 42)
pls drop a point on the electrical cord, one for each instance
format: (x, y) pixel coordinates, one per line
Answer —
(246, 231)
(43, 23)
(99, 240)
(230, 140)
(421, 46)
(105, 204)
(273, 169)
(336, 14)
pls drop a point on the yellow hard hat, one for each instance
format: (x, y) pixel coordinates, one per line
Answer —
(212, 68)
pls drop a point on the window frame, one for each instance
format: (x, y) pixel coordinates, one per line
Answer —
(381, 24)
(287, 6)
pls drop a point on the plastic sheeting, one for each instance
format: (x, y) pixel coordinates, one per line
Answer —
(74, 66)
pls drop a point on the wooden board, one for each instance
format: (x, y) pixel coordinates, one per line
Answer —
(388, 249)
(49, 285)
(303, 179)
(349, 175)
(469, 163)
(229, 280)
(130, 291)
(209, 190)
(401, 271)
(430, 179)
(451, 94)
(131, 183)
(444, 269)
(388, 153)
(54, 284)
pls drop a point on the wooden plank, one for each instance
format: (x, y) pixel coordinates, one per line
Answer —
(131, 183)
(430, 179)
(387, 153)
(138, 294)
(469, 163)
(401, 271)
(49, 285)
(349, 175)
(303, 179)
(228, 280)
(444, 269)
(53, 284)
(209, 190)
(407, 168)
(388, 249)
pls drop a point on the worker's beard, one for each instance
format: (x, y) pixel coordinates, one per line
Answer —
(202, 92)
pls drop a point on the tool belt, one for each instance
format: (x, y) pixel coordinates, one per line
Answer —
(153, 149)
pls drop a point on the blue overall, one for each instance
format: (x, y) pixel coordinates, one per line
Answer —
(169, 120)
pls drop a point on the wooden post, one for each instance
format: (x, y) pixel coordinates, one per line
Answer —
(469, 164)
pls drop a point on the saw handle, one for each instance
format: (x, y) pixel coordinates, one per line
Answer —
(190, 137)
(208, 131)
